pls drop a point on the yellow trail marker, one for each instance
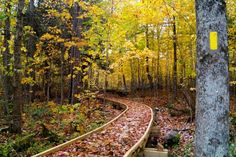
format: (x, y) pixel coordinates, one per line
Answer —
(213, 40)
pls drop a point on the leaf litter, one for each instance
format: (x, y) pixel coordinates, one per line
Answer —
(115, 139)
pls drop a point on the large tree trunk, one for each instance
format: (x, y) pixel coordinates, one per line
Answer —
(7, 85)
(212, 126)
(17, 108)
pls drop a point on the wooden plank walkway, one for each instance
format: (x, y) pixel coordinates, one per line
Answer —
(123, 136)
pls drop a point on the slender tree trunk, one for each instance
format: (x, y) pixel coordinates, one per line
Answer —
(175, 60)
(47, 90)
(7, 84)
(149, 76)
(48, 82)
(17, 108)
(133, 83)
(139, 74)
(167, 71)
(62, 77)
(212, 123)
(71, 97)
(106, 72)
(108, 48)
(77, 24)
(97, 79)
(90, 77)
(158, 68)
(124, 80)
(31, 49)
(192, 64)
(76, 76)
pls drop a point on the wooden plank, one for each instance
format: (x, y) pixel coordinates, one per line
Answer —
(152, 152)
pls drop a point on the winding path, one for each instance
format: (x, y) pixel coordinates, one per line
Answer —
(123, 136)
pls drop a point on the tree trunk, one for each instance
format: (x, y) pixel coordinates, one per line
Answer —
(106, 73)
(7, 85)
(31, 47)
(158, 68)
(212, 126)
(71, 97)
(62, 76)
(149, 76)
(17, 108)
(124, 80)
(97, 79)
(139, 74)
(76, 76)
(175, 61)
(77, 24)
(133, 83)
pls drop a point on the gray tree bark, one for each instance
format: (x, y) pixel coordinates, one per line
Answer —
(212, 128)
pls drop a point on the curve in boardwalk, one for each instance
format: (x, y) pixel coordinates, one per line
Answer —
(121, 137)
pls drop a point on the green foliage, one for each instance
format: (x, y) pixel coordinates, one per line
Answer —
(170, 106)
(28, 147)
(19, 144)
(172, 140)
(22, 143)
(38, 113)
(6, 149)
(232, 150)
(96, 124)
(188, 150)
(2, 16)
(38, 146)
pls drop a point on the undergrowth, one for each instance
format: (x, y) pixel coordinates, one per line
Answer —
(47, 125)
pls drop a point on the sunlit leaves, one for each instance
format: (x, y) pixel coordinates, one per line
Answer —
(27, 80)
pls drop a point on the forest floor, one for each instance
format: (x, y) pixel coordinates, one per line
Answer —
(171, 119)
(175, 118)
(46, 126)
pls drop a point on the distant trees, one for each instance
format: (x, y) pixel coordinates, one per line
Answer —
(212, 110)
(44, 41)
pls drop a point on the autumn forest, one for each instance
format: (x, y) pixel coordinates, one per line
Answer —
(118, 78)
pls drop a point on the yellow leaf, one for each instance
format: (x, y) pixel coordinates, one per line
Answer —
(66, 56)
